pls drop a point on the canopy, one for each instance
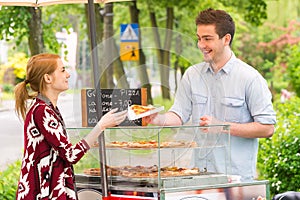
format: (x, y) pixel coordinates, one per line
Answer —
(37, 3)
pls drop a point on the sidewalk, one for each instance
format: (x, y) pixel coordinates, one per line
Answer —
(11, 135)
(7, 105)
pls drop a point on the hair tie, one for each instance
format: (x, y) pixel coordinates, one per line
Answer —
(26, 81)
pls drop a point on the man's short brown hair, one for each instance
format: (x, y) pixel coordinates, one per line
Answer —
(221, 19)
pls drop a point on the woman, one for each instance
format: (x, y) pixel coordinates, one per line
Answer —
(46, 171)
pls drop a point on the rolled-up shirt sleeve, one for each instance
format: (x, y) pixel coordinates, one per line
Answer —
(260, 101)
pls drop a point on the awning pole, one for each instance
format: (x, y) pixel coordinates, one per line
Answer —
(96, 74)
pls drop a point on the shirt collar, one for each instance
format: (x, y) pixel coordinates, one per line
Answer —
(229, 65)
(45, 99)
(48, 102)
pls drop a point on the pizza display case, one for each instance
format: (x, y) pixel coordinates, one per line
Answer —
(172, 162)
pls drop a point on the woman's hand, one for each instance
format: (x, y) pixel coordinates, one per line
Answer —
(112, 118)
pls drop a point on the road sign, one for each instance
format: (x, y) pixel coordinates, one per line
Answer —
(129, 45)
(129, 51)
(129, 33)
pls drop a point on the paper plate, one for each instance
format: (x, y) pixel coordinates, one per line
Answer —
(132, 116)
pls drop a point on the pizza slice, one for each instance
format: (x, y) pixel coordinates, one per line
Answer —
(138, 111)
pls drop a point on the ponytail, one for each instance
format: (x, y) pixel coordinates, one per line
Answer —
(21, 97)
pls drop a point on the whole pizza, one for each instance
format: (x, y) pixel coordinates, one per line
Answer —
(150, 144)
(144, 171)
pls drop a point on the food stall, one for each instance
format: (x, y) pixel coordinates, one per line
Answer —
(165, 163)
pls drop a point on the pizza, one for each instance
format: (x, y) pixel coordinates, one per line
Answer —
(178, 171)
(92, 171)
(139, 109)
(150, 144)
(145, 171)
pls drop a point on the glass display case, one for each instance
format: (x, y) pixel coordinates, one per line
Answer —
(170, 162)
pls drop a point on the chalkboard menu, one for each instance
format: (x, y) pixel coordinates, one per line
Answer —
(109, 99)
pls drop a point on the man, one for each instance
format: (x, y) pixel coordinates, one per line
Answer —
(224, 89)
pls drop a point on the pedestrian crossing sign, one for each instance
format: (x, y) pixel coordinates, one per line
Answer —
(129, 32)
(129, 42)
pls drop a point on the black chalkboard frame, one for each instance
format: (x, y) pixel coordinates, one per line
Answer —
(110, 98)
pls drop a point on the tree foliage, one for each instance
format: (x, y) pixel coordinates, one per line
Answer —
(253, 11)
(293, 68)
(13, 23)
(279, 156)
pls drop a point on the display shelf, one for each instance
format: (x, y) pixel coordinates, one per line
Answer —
(160, 160)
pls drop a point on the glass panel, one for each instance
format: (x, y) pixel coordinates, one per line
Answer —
(151, 162)
(152, 158)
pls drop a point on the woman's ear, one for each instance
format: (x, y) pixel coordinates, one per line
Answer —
(47, 78)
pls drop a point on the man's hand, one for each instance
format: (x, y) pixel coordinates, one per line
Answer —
(208, 120)
(150, 119)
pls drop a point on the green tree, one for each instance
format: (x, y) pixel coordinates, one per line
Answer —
(38, 25)
(22, 23)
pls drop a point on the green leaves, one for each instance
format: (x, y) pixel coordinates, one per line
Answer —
(279, 156)
(256, 12)
(293, 68)
(9, 181)
(13, 23)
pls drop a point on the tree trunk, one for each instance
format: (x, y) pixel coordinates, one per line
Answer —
(165, 68)
(142, 69)
(35, 39)
(163, 55)
(156, 37)
(178, 52)
(108, 46)
(156, 41)
(119, 69)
